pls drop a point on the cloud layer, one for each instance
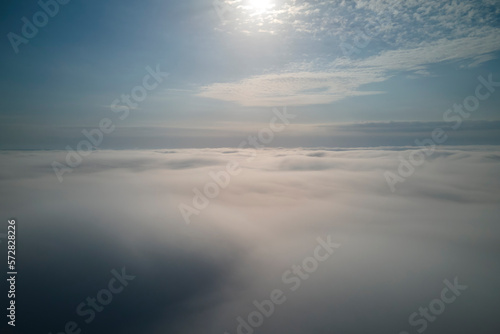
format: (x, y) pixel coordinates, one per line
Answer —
(120, 209)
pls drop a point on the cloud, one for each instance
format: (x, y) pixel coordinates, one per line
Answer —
(396, 248)
(400, 22)
(346, 78)
(477, 48)
(292, 89)
(396, 37)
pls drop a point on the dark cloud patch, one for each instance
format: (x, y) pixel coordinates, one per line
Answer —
(64, 263)
(495, 157)
(317, 154)
(191, 163)
(299, 165)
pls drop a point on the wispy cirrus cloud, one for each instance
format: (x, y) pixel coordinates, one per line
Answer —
(345, 78)
(298, 88)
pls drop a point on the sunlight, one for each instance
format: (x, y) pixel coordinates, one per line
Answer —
(261, 6)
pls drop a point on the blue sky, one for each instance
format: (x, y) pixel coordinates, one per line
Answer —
(231, 62)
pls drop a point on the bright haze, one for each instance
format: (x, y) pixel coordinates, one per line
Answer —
(254, 166)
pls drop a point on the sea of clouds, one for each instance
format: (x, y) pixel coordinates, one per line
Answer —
(122, 209)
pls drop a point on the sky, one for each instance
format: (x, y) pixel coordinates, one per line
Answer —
(229, 63)
(250, 166)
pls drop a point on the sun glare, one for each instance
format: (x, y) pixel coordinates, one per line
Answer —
(261, 6)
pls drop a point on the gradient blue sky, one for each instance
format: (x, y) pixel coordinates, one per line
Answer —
(227, 71)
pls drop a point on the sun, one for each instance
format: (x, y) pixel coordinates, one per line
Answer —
(260, 6)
